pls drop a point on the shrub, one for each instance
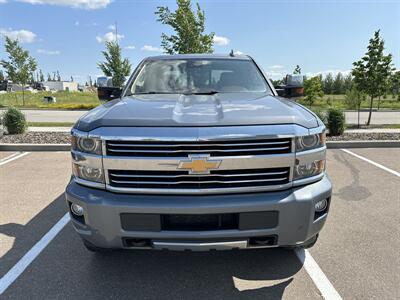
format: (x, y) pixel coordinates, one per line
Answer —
(322, 115)
(336, 121)
(14, 120)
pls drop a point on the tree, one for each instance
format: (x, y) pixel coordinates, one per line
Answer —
(313, 89)
(328, 84)
(48, 77)
(189, 28)
(114, 65)
(19, 66)
(1, 76)
(353, 100)
(41, 76)
(348, 83)
(58, 76)
(297, 70)
(72, 79)
(395, 85)
(372, 72)
(338, 84)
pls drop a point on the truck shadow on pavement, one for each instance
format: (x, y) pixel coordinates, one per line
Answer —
(65, 269)
(26, 236)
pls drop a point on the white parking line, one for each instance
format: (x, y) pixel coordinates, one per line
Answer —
(12, 157)
(27, 259)
(372, 162)
(323, 284)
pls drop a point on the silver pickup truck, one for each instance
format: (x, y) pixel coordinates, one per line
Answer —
(198, 152)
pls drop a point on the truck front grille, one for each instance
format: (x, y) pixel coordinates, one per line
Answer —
(174, 180)
(185, 148)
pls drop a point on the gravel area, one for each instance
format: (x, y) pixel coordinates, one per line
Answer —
(37, 138)
(371, 136)
(64, 137)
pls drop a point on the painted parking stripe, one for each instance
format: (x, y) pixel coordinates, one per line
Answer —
(29, 257)
(327, 290)
(372, 162)
(12, 157)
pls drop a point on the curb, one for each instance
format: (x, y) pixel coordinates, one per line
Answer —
(329, 145)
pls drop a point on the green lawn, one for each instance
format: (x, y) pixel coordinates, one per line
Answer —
(337, 101)
(65, 100)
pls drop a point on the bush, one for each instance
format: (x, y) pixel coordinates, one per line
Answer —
(14, 120)
(336, 121)
(322, 115)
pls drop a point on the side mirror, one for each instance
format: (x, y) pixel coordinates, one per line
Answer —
(108, 93)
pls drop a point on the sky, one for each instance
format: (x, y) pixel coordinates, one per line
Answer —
(320, 36)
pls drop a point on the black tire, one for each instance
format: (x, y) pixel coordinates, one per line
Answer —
(89, 246)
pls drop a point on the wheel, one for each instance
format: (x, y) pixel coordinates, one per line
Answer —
(89, 246)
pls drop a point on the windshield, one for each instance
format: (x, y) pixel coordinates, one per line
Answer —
(197, 76)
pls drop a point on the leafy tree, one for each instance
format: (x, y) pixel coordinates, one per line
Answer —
(313, 89)
(19, 66)
(1, 76)
(114, 65)
(328, 84)
(189, 28)
(41, 76)
(338, 84)
(395, 85)
(372, 72)
(297, 70)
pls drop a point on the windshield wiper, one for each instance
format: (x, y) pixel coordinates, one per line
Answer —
(211, 92)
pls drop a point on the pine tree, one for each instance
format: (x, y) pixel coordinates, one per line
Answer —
(372, 72)
(328, 84)
(338, 84)
(189, 28)
(114, 65)
(58, 76)
(297, 70)
(41, 76)
(2, 78)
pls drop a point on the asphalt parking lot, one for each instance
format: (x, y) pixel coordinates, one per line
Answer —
(358, 250)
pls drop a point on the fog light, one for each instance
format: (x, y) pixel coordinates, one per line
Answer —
(77, 209)
(321, 205)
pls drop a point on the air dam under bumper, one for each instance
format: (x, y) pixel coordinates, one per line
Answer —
(102, 223)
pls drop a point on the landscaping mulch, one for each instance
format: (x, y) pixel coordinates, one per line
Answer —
(64, 137)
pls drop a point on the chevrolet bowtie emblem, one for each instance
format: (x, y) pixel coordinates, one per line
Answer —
(199, 164)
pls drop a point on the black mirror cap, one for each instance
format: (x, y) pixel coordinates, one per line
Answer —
(290, 91)
(108, 93)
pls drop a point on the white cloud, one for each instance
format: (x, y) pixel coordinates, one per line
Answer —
(276, 67)
(151, 48)
(77, 23)
(334, 72)
(109, 37)
(3, 1)
(85, 4)
(48, 52)
(130, 47)
(238, 53)
(23, 36)
(111, 27)
(220, 40)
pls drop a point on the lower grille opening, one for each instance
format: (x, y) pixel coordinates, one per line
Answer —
(136, 243)
(199, 222)
(263, 241)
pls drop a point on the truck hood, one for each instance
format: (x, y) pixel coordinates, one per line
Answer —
(222, 109)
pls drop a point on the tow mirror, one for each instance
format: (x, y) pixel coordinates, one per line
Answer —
(293, 88)
(108, 93)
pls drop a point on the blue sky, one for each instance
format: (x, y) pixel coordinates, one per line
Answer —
(320, 36)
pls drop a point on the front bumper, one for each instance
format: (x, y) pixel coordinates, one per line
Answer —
(296, 224)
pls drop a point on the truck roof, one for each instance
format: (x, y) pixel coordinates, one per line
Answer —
(198, 56)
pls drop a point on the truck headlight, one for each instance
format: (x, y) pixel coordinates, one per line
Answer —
(309, 169)
(309, 142)
(88, 173)
(86, 144)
